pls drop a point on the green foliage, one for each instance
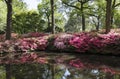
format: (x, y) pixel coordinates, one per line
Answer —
(117, 20)
(73, 24)
(97, 14)
(2, 72)
(2, 15)
(78, 10)
(68, 16)
(27, 22)
(18, 6)
(44, 9)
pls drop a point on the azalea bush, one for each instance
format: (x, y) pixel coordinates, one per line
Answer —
(31, 44)
(85, 42)
(80, 42)
(62, 41)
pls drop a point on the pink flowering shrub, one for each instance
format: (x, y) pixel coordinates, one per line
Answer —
(110, 39)
(86, 42)
(80, 42)
(41, 43)
(26, 44)
(7, 46)
(29, 44)
(112, 42)
(62, 41)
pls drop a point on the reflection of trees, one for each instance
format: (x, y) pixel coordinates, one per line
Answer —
(55, 71)
(59, 71)
(90, 74)
(2, 72)
(32, 71)
(61, 67)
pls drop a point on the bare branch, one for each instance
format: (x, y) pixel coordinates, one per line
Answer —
(83, 2)
(113, 5)
(117, 5)
(6, 1)
(71, 6)
(80, 1)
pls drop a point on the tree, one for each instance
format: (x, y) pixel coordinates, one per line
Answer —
(29, 21)
(9, 19)
(115, 3)
(108, 15)
(3, 12)
(44, 9)
(79, 5)
(52, 16)
(45, 13)
(73, 24)
(97, 14)
(8, 32)
(17, 6)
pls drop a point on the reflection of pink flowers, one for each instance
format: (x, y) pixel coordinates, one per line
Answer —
(77, 63)
(41, 60)
(83, 65)
(108, 70)
(28, 57)
(31, 57)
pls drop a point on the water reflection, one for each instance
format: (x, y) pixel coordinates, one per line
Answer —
(67, 67)
(56, 71)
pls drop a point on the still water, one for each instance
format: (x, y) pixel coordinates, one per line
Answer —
(67, 66)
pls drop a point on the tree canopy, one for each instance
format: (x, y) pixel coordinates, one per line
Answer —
(69, 16)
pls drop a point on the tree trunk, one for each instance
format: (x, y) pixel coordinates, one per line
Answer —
(83, 18)
(8, 71)
(52, 16)
(8, 34)
(48, 21)
(98, 24)
(112, 12)
(108, 15)
(9, 19)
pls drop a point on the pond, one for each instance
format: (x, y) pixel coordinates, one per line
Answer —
(67, 66)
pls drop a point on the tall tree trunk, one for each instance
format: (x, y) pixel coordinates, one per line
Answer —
(112, 12)
(52, 16)
(98, 24)
(9, 19)
(108, 15)
(48, 18)
(8, 33)
(83, 18)
(8, 71)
